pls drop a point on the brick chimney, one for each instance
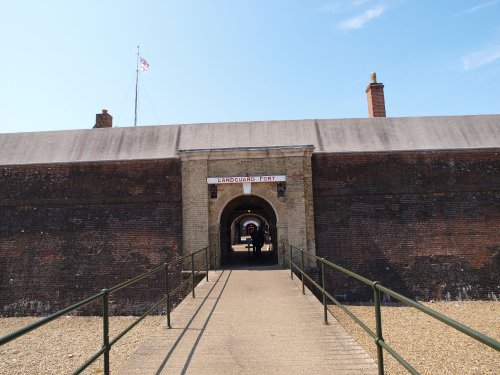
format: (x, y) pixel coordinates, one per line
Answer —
(375, 95)
(103, 120)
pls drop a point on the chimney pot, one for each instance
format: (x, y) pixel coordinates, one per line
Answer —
(375, 96)
(103, 120)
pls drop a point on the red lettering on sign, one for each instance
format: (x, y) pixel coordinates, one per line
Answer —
(267, 178)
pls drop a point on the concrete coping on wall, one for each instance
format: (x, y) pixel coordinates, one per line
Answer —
(246, 152)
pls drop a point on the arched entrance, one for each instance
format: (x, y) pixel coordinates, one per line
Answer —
(240, 219)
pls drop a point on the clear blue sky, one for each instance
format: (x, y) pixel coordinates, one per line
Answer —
(244, 60)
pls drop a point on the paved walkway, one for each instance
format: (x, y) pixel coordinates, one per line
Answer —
(252, 321)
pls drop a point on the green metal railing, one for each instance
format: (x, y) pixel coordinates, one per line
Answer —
(377, 289)
(104, 295)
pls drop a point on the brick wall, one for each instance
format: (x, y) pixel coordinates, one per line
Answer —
(426, 224)
(423, 223)
(69, 230)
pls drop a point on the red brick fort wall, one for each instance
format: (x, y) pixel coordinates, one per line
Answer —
(69, 230)
(426, 224)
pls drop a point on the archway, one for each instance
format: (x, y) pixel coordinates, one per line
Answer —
(238, 220)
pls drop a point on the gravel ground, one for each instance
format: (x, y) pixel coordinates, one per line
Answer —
(438, 350)
(72, 341)
(430, 346)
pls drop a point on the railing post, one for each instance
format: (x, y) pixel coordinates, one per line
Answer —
(192, 275)
(325, 310)
(291, 267)
(302, 257)
(167, 293)
(105, 329)
(378, 321)
(206, 260)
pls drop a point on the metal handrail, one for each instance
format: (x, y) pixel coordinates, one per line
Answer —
(104, 294)
(377, 289)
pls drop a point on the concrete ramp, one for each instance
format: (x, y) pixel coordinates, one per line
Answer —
(252, 321)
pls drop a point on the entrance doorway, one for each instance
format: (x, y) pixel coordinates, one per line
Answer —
(243, 221)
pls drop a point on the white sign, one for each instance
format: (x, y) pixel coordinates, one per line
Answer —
(240, 180)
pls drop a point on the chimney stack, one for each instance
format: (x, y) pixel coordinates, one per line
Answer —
(375, 95)
(103, 120)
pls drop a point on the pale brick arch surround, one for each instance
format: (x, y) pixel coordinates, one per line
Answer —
(202, 214)
(269, 198)
(281, 227)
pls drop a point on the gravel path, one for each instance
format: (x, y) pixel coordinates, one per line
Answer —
(429, 346)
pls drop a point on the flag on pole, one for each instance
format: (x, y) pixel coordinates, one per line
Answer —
(144, 65)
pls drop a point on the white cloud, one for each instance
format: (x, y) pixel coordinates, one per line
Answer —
(359, 21)
(477, 7)
(480, 58)
(334, 7)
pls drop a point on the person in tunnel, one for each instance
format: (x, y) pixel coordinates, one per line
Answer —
(253, 236)
(258, 239)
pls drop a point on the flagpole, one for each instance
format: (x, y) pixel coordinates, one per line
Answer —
(136, 85)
